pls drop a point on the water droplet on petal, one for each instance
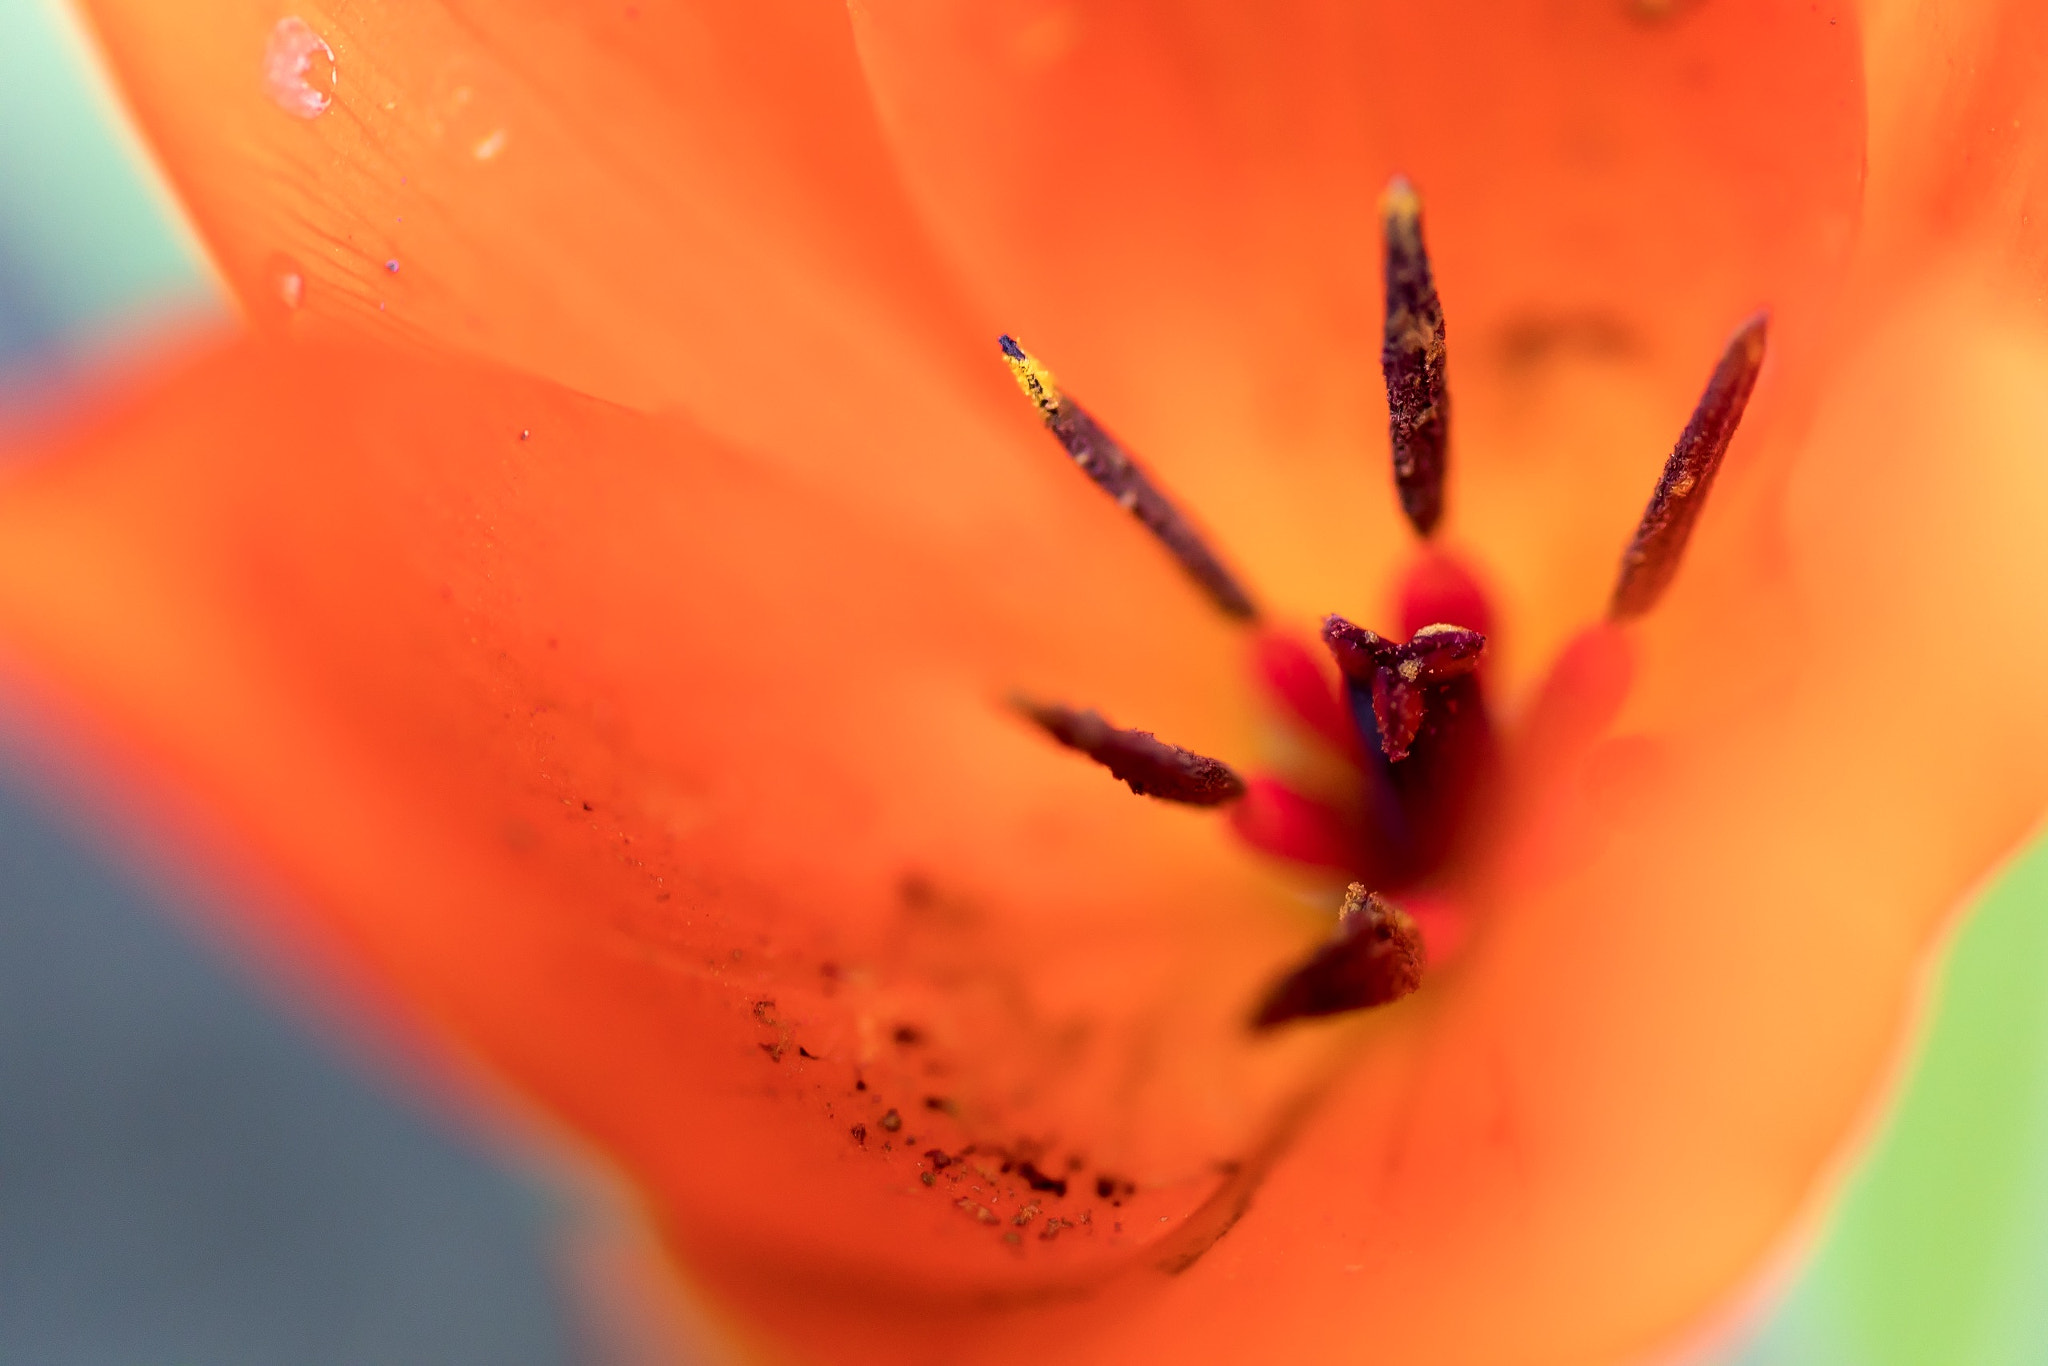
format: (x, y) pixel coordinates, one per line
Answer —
(277, 292)
(298, 69)
(465, 106)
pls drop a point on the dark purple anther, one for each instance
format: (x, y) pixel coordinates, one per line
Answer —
(1116, 474)
(1375, 957)
(1412, 359)
(1150, 766)
(1652, 558)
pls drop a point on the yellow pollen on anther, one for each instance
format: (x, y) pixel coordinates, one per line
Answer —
(1399, 201)
(1037, 383)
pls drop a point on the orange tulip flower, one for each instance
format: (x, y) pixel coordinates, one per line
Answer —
(582, 603)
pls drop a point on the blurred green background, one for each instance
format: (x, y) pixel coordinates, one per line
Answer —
(84, 243)
(1937, 1253)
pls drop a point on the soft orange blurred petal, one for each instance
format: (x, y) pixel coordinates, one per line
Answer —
(589, 742)
(1959, 135)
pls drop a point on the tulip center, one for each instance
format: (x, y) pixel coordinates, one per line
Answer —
(1425, 792)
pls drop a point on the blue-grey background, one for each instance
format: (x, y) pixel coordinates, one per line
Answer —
(187, 1176)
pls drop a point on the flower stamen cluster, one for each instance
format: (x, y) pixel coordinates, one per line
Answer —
(1422, 741)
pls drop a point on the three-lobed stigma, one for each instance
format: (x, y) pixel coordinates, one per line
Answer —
(1401, 679)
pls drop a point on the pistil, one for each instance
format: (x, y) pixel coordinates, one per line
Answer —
(1399, 678)
(1430, 744)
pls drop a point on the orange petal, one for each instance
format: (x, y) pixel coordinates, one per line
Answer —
(686, 808)
(1181, 221)
(651, 203)
(1959, 134)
